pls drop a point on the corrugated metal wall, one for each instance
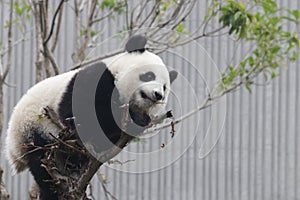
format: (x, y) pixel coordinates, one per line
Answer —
(257, 155)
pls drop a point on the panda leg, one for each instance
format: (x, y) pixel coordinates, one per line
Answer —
(42, 177)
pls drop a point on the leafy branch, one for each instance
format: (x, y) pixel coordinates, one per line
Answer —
(274, 46)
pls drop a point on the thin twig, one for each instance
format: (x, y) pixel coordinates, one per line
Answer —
(67, 145)
(9, 36)
(153, 10)
(173, 16)
(49, 55)
(53, 116)
(57, 29)
(47, 66)
(81, 54)
(77, 32)
(128, 24)
(39, 55)
(96, 59)
(44, 12)
(163, 126)
(142, 8)
(44, 16)
(103, 17)
(37, 148)
(53, 22)
(103, 181)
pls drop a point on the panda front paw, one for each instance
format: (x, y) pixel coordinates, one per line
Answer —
(161, 117)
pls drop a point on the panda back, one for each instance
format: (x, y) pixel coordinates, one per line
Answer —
(26, 115)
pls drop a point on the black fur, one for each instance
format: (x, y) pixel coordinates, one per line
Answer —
(65, 106)
(107, 105)
(173, 75)
(41, 176)
(140, 118)
(149, 76)
(136, 43)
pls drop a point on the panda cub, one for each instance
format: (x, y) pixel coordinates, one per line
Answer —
(90, 101)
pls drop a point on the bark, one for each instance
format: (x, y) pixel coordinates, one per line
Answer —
(4, 194)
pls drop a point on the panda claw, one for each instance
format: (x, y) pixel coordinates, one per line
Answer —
(169, 114)
(160, 118)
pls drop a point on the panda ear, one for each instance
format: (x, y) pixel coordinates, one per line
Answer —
(173, 75)
(136, 43)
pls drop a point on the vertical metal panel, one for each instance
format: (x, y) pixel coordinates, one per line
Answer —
(257, 156)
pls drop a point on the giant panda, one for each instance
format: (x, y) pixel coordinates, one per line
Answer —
(136, 77)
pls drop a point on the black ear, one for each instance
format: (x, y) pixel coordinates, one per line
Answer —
(173, 75)
(136, 43)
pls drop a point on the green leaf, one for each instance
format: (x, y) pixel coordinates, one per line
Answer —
(136, 139)
(275, 20)
(22, 7)
(232, 74)
(251, 61)
(273, 75)
(294, 41)
(28, 17)
(93, 33)
(180, 28)
(242, 5)
(295, 56)
(108, 4)
(237, 15)
(275, 49)
(82, 32)
(296, 14)
(269, 6)
(26, 6)
(247, 85)
(17, 8)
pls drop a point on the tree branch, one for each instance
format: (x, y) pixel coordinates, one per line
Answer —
(48, 54)
(3, 192)
(9, 37)
(81, 54)
(53, 21)
(103, 17)
(57, 29)
(96, 59)
(103, 181)
(39, 40)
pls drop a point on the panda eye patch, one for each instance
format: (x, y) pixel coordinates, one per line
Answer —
(149, 76)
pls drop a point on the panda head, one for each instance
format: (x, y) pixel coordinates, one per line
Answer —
(142, 80)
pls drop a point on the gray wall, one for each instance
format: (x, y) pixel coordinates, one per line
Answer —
(257, 154)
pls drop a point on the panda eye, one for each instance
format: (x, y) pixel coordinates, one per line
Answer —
(149, 76)
(143, 95)
(165, 87)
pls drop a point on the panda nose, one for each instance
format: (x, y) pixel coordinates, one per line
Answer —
(158, 96)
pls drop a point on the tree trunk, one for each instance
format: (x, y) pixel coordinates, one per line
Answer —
(3, 192)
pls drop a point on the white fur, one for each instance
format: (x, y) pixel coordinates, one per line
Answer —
(126, 68)
(26, 114)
